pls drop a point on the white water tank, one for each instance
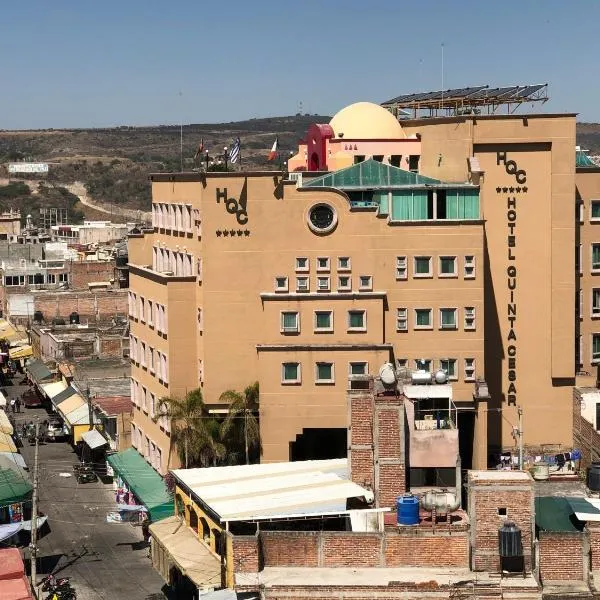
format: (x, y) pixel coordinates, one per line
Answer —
(441, 376)
(420, 377)
(387, 374)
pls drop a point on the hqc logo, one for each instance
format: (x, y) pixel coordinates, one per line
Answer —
(233, 206)
(510, 166)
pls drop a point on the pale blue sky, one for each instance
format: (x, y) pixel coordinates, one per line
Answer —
(78, 63)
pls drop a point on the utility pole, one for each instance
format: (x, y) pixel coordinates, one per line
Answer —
(520, 413)
(34, 502)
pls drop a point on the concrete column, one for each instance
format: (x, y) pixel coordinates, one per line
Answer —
(480, 437)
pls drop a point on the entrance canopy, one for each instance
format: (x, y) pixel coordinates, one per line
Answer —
(14, 483)
(144, 482)
(94, 439)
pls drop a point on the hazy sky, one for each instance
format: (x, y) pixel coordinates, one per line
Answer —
(78, 63)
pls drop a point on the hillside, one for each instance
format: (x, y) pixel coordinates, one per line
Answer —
(108, 168)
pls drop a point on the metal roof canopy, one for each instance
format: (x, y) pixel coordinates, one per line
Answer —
(468, 100)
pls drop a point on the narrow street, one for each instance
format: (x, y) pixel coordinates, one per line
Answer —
(105, 561)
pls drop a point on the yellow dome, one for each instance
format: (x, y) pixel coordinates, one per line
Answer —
(364, 121)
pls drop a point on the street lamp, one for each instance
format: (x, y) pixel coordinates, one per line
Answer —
(206, 158)
(225, 156)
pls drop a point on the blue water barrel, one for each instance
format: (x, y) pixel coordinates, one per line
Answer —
(407, 508)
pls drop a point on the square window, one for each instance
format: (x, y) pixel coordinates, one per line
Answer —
(423, 318)
(595, 210)
(323, 320)
(595, 257)
(324, 372)
(423, 364)
(448, 266)
(281, 284)
(595, 347)
(323, 263)
(323, 284)
(448, 365)
(402, 363)
(358, 368)
(469, 318)
(401, 319)
(302, 284)
(365, 283)
(290, 373)
(502, 512)
(469, 267)
(447, 318)
(422, 266)
(302, 264)
(344, 263)
(357, 320)
(469, 369)
(401, 270)
(344, 283)
(596, 302)
(290, 322)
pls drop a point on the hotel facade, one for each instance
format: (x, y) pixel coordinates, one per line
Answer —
(432, 244)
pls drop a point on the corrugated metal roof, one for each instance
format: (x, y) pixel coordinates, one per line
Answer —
(114, 405)
(274, 490)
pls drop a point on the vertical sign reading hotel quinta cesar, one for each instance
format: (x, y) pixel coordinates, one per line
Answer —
(511, 193)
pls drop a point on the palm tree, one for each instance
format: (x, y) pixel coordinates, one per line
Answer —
(244, 408)
(193, 430)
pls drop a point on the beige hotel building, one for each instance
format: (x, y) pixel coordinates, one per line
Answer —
(447, 240)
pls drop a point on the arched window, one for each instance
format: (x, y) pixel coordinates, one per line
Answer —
(193, 520)
(204, 530)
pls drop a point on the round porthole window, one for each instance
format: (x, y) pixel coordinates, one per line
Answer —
(322, 218)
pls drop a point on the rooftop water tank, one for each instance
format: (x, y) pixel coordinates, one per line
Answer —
(593, 477)
(420, 377)
(541, 471)
(441, 376)
(444, 502)
(510, 544)
(74, 318)
(407, 508)
(387, 373)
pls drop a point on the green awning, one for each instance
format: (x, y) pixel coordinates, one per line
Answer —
(144, 482)
(14, 483)
(553, 513)
(38, 370)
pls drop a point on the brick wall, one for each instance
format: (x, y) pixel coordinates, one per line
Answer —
(246, 555)
(290, 549)
(487, 496)
(340, 549)
(111, 347)
(562, 556)
(83, 273)
(585, 437)
(360, 457)
(93, 306)
(593, 530)
(427, 550)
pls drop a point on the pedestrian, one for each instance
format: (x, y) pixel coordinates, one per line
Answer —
(12, 405)
(18, 404)
(146, 529)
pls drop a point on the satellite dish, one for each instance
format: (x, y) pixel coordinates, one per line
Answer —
(387, 374)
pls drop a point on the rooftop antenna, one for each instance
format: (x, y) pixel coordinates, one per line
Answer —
(181, 131)
(300, 107)
(442, 102)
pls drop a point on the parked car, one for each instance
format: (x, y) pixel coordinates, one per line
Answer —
(31, 399)
(55, 431)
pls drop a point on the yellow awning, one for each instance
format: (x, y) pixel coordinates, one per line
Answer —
(20, 352)
(5, 424)
(53, 389)
(6, 443)
(70, 404)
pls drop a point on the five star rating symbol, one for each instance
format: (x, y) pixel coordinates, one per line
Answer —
(511, 190)
(232, 232)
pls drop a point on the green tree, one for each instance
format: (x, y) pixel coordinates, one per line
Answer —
(242, 416)
(193, 430)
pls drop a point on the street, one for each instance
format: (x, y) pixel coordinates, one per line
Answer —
(105, 561)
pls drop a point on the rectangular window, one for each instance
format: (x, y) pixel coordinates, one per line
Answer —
(595, 347)
(302, 264)
(401, 319)
(150, 313)
(290, 322)
(142, 310)
(344, 283)
(151, 359)
(469, 318)
(200, 321)
(595, 210)
(199, 268)
(324, 372)
(302, 284)
(449, 366)
(344, 263)
(595, 257)
(358, 368)
(596, 302)
(323, 284)
(323, 320)
(401, 270)
(423, 318)
(357, 320)
(469, 267)
(423, 364)
(63, 277)
(447, 318)
(200, 371)
(469, 369)
(281, 284)
(422, 266)
(323, 263)
(51, 278)
(365, 283)
(290, 373)
(448, 266)
(142, 354)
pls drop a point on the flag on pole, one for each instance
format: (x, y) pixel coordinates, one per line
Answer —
(273, 152)
(234, 153)
(200, 149)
